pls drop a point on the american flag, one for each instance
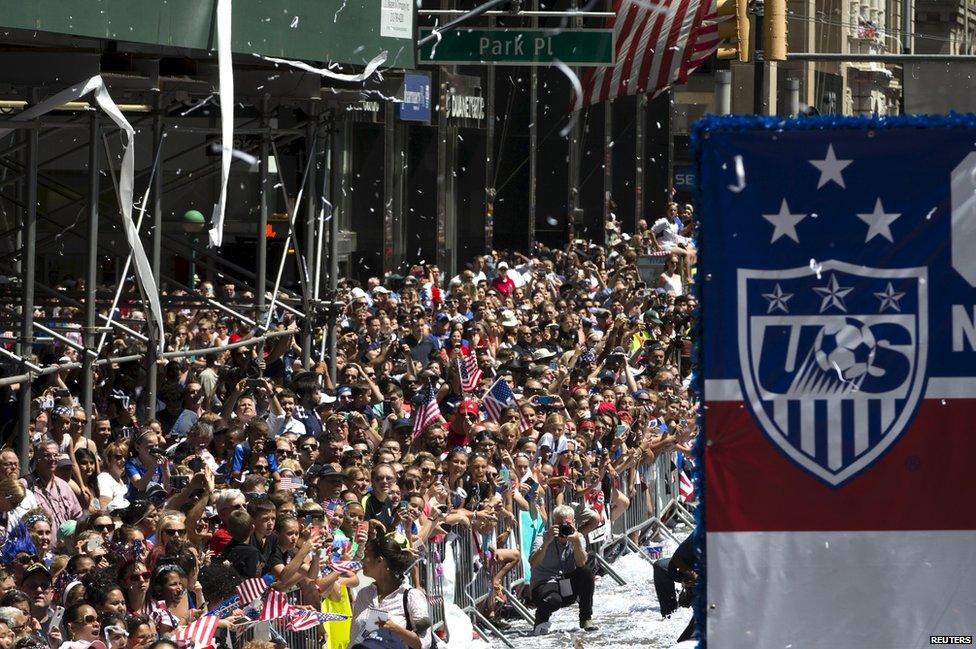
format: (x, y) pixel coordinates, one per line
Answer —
(686, 488)
(160, 614)
(426, 411)
(286, 483)
(499, 397)
(251, 589)
(300, 619)
(199, 634)
(656, 44)
(275, 606)
(470, 372)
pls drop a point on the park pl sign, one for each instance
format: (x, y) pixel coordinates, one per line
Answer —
(582, 47)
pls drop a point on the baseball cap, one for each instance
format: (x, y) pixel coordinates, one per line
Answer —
(37, 567)
(468, 407)
(344, 391)
(502, 265)
(402, 423)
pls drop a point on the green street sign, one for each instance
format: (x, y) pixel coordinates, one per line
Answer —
(583, 47)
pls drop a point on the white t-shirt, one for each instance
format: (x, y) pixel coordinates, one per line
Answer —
(392, 604)
(109, 487)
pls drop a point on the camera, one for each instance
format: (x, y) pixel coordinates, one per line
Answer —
(565, 529)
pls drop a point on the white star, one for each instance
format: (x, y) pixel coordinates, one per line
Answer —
(777, 299)
(833, 294)
(889, 298)
(878, 222)
(830, 168)
(785, 223)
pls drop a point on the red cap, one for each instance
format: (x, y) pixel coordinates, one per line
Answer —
(468, 407)
(586, 424)
(233, 338)
(606, 406)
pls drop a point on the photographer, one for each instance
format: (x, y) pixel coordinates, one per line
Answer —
(559, 573)
(668, 572)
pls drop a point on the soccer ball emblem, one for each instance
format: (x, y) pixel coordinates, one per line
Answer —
(847, 346)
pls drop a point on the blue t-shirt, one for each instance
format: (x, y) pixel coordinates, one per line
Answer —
(242, 453)
(134, 469)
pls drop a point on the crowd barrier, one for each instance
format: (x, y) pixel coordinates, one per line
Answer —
(653, 490)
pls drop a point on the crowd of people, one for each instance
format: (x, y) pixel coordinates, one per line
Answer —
(528, 383)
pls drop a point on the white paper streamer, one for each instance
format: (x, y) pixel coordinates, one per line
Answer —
(143, 269)
(371, 67)
(225, 68)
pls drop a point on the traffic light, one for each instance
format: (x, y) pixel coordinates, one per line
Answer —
(774, 28)
(734, 30)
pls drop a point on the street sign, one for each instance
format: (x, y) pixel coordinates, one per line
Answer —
(416, 97)
(583, 47)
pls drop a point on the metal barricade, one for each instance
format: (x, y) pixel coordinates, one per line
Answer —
(473, 588)
(307, 639)
(433, 584)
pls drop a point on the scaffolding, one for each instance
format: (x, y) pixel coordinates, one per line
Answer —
(80, 319)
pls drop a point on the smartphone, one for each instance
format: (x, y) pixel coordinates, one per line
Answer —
(94, 543)
(255, 383)
(47, 403)
(55, 617)
(620, 430)
(404, 505)
(545, 400)
(533, 488)
(195, 464)
(362, 529)
(178, 482)
(61, 392)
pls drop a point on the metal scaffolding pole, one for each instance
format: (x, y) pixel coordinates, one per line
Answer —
(157, 245)
(27, 321)
(490, 157)
(311, 210)
(261, 288)
(533, 136)
(389, 255)
(344, 142)
(91, 275)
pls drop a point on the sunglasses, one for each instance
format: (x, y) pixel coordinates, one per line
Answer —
(103, 528)
(259, 469)
(174, 531)
(88, 619)
(140, 576)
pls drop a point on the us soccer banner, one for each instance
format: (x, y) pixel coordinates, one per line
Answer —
(838, 293)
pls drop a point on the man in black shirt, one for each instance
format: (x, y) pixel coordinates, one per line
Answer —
(244, 557)
(680, 567)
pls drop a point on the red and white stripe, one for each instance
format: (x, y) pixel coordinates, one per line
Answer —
(199, 634)
(470, 373)
(656, 44)
(686, 490)
(888, 558)
(251, 589)
(275, 606)
(300, 619)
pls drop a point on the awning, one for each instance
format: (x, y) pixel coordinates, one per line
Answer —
(344, 31)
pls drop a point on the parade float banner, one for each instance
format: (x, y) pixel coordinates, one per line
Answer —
(838, 288)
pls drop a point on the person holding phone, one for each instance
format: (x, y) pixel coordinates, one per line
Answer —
(559, 573)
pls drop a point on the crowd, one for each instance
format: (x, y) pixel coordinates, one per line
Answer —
(526, 384)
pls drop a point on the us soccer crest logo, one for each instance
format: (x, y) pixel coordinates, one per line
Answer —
(832, 358)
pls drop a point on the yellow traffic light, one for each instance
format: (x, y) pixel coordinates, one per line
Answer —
(735, 30)
(774, 28)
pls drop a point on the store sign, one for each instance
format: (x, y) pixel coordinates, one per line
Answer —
(684, 178)
(583, 47)
(462, 101)
(465, 106)
(416, 97)
(396, 18)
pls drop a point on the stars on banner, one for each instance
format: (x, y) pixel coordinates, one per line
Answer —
(879, 223)
(784, 222)
(889, 298)
(833, 294)
(830, 168)
(777, 299)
